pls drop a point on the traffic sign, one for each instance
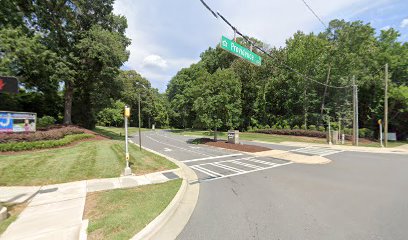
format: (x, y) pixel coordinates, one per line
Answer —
(8, 85)
(240, 51)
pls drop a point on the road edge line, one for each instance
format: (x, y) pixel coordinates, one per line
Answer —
(170, 223)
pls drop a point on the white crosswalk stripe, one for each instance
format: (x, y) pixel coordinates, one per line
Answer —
(320, 151)
(235, 167)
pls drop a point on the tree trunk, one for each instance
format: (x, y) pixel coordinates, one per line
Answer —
(69, 92)
(215, 134)
(305, 108)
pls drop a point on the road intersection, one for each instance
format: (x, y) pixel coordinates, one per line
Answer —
(358, 195)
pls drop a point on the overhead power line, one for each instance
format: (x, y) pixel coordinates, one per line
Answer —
(266, 52)
(314, 13)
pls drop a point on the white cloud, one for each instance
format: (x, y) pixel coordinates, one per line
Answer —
(385, 28)
(154, 61)
(404, 23)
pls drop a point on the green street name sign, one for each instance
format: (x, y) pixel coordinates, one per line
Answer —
(240, 51)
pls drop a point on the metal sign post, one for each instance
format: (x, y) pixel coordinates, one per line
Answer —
(127, 171)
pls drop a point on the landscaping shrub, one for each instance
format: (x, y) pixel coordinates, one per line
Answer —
(348, 131)
(296, 127)
(45, 121)
(365, 133)
(51, 134)
(294, 132)
(21, 146)
(321, 129)
(312, 127)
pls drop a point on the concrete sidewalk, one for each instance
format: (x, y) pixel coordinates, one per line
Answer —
(55, 211)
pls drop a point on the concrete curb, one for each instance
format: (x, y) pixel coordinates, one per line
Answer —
(3, 213)
(170, 223)
(338, 147)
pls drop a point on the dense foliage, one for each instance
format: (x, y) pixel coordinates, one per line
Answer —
(74, 45)
(224, 91)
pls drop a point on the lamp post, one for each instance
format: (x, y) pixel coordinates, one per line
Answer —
(127, 171)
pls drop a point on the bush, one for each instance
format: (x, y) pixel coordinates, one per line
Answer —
(296, 127)
(312, 127)
(45, 121)
(286, 127)
(321, 129)
(299, 132)
(277, 126)
(112, 116)
(51, 134)
(365, 133)
(348, 131)
(22, 146)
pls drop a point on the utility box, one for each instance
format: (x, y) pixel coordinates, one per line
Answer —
(334, 135)
(233, 136)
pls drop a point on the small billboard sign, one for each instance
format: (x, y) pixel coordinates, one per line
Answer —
(17, 121)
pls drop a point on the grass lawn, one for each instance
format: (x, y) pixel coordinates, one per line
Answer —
(86, 160)
(117, 133)
(281, 138)
(134, 208)
(13, 211)
(252, 136)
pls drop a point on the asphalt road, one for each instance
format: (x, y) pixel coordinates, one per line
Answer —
(356, 196)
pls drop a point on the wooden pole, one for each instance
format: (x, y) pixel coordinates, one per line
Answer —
(386, 106)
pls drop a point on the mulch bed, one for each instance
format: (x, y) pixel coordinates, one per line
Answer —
(238, 147)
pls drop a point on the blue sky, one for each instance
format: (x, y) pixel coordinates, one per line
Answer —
(169, 35)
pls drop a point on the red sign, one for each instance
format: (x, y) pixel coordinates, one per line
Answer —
(8, 85)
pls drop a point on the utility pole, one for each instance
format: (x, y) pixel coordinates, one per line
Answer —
(386, 107)
(355, 112)
(140, 135)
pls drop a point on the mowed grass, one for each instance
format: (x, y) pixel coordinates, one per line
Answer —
(251, 136)
(86, 160)
(13, 211)
(117, 133)
(132, 210)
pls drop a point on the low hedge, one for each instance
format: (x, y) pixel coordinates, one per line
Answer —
(22, 146)
(298, 132)
(50, 134)
(294, 132)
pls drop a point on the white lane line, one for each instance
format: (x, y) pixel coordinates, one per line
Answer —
(207, 171)
(225, 161)
(246, 165)
(167, 150)
(261, 162)
(209, 158)
(326, 154)
(212, 149)
(185, 149)
(317, 151)
(226, 167)
(251, 171)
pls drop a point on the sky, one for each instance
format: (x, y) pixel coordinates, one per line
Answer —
(168, 35)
